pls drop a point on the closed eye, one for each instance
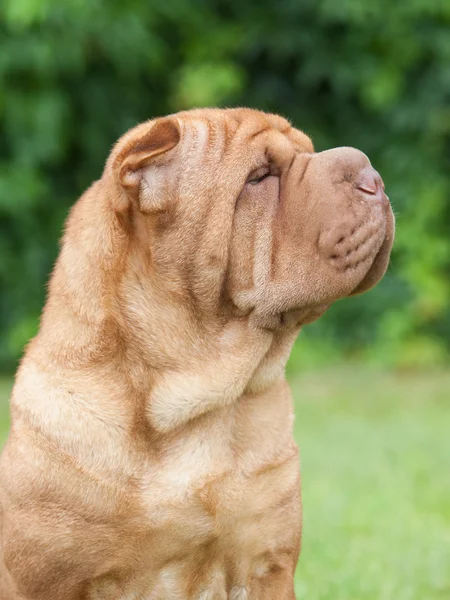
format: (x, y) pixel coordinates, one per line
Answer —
(258, 179)
(259, 175)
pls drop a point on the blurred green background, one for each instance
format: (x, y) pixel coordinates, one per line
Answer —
(374, 74)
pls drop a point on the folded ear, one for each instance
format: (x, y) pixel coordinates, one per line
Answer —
(134, 164)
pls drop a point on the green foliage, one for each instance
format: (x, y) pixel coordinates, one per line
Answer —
(373, 74)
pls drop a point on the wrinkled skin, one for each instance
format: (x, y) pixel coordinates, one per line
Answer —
(151, 453)
(325, 238)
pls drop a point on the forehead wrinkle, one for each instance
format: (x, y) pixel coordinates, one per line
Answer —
(273, 123)
(231, 127)
(260, 132)
(243, 130)
(300, 140)
(217, 137)
(194, 142)
(205, 139)
(200, 132)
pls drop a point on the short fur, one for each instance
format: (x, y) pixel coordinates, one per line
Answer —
(151, 452)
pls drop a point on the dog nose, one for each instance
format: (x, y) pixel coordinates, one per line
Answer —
(370, 182)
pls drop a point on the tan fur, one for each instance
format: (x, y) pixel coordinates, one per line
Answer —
(151, 453)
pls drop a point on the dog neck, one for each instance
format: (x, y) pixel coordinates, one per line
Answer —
(198, 365)
(112, 313)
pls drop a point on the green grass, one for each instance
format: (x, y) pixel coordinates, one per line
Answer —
(375, 451)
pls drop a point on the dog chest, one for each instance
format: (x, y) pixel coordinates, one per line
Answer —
(210, 516)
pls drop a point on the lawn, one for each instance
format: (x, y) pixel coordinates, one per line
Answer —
(375, 451)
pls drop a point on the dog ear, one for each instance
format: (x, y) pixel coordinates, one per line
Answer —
(141, 179)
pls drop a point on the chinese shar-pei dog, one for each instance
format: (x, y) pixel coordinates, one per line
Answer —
(151, 454)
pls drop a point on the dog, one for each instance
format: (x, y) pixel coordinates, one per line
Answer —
(151, 454)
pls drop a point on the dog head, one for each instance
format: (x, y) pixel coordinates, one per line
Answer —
(236, 212)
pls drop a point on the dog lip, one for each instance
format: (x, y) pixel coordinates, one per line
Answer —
(343, 247)
(377, 266)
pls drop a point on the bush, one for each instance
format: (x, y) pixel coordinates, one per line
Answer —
(368, 73)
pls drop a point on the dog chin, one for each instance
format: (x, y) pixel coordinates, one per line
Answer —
(304, 316)
(289, 320)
